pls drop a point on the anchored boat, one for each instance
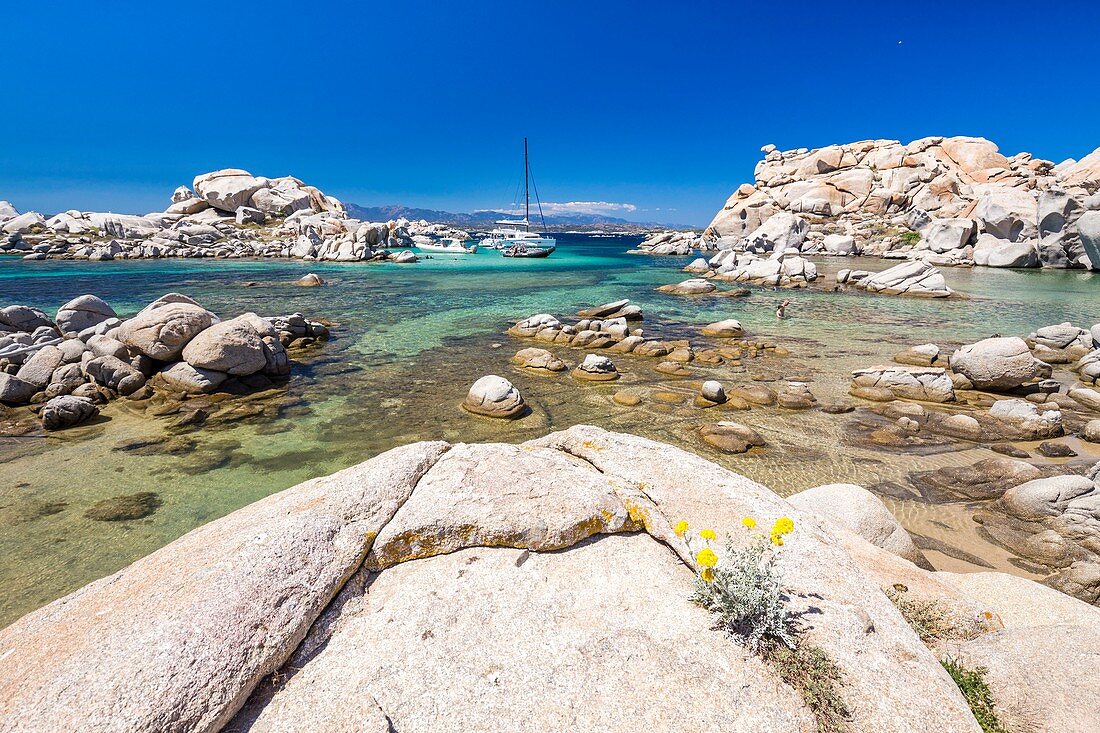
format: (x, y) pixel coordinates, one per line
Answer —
(515, 241)
(449, 245)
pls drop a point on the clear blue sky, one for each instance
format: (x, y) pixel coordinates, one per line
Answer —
(662, 106)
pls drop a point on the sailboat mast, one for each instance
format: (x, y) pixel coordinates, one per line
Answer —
(526, 189)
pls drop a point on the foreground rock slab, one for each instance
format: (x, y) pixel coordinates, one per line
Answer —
(373, 596)
(188, 631)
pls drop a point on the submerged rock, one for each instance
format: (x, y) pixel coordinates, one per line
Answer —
(124, 508)
(731, 437)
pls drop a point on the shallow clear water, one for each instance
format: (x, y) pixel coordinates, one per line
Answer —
(411, 339)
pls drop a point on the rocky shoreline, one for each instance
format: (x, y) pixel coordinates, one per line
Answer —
(440, 586)
(227, 213)
(953, 201)
(64, 368)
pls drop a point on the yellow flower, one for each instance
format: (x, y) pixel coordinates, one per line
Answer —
(748, 523)
(706, 558)
(708, 534)
(777, 540)
(680, 528)
(782, 526)
(707, 575)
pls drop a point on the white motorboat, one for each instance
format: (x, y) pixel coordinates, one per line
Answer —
(510, 234)
(450, 245)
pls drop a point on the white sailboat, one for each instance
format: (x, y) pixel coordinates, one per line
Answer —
(517, 241)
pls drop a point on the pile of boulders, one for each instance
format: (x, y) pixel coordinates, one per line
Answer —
(86, 355)
(945, 201)
(1026, 403)
(671, 243)
(225, 214)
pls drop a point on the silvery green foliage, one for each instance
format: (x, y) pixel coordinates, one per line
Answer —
(747, 597)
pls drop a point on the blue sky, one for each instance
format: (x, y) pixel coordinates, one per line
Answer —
(657, 106)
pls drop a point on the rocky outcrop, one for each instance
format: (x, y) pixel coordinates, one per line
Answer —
(466, 619)
(539, 361)
(231, 213)
(912, 278)
(173, 346)
(948, 200)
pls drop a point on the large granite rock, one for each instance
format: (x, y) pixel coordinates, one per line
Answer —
(190, 630)
(116, 374)
(162, 330)
(81, 313)
(910, 278)
(998, 363)
(228, 189)
(14, 390)
(860, 511)
(234, 347)
(1088, 226)
(928, 384)
(39, 367)
(436, 590)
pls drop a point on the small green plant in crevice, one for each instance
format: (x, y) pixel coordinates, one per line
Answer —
(975, 690)
(928, 618)
(932, 621)
(910, 237)
(745, 592)
(808, 669)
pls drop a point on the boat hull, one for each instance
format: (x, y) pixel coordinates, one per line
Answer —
(525, 251)
(455, 249)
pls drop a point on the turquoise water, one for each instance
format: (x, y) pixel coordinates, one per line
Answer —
(409, 341)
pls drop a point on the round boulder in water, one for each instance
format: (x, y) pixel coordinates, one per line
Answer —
(494, 396)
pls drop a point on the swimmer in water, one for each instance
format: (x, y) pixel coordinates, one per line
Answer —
(781, 311)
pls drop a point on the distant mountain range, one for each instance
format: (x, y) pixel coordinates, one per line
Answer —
(486, 219)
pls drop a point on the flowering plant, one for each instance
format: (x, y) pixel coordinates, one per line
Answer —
(744, 590)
